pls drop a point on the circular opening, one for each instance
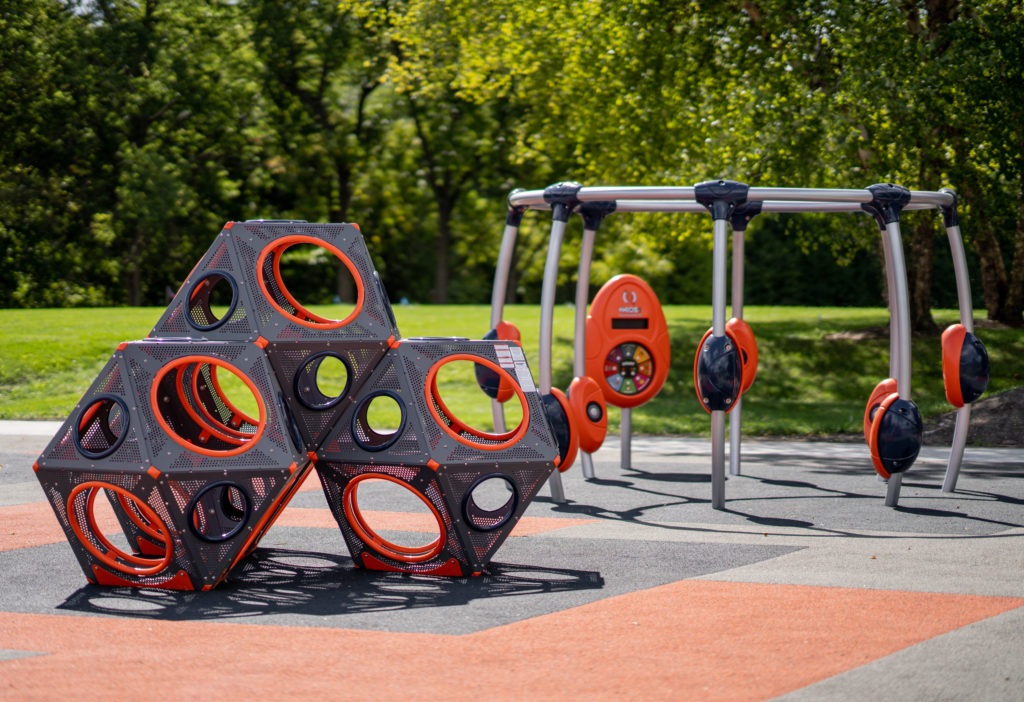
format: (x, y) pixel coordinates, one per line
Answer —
(200, 409)
(468, 418)
(222, 403)
(322, 380)
(212, 300)
(409, 547)
(81, 507)
(378, 421)
(219, 511)
(298, 271)
(490, 502)
(101, 426)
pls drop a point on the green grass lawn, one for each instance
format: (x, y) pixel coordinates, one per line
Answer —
(806, 383)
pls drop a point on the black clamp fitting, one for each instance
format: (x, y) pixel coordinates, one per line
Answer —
(949, 216)
(743, 213)
(721, 197)
(515, 212)
(562, 198)
(887, 202)
(593, 213)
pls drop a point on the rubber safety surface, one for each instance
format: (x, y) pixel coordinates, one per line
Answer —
(805, 587)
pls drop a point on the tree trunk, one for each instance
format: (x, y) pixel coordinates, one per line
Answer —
(1015, 293)
(133, 265)
(344, 284)
(919, 277)
(439, 295)
(994, 282)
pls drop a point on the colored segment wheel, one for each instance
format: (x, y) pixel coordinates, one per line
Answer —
(629, 368)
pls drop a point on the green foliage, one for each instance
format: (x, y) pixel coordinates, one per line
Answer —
(134, 130)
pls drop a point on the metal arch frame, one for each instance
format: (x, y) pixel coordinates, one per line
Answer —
(683, 199)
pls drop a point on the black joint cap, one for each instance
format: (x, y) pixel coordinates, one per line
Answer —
(887, 202)
(721, 197)
(594, 212)
(743, 213)
(562, 198)
(949, 215)
(515, 216)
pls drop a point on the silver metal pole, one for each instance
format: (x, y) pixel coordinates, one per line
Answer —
(626, 438)
(547, 305)
(963, 277)
(810, 194)
(892, 490)
(899, 333)
(579, 361)
(719, 257)
(956, 450)
(718, 273)
(890, 286)
(901, 306)
(736, 415)
(498, 292)
(717, 460)
(547, 321)
(963, 414)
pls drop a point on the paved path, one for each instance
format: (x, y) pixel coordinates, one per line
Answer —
(806, 587)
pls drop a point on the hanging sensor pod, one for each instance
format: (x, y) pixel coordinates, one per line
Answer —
(588, 405)
(965, 366)
(562, 421)
(627, 342)
(489, 381)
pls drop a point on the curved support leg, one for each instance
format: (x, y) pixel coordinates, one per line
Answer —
(734, 437)
(626, 440)
(718, 459)
(499, 290)
(892, 492)
(547, 320)
(579, 360)
(956, 451)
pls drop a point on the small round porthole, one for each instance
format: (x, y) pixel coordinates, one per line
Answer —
(219, 511)
(490, 502)
(101, 427)
(212, 300)
(378, 421)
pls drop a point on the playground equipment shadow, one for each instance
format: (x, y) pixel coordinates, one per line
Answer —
(806, 587)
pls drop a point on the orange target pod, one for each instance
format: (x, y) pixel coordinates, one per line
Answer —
(743, 336)
(562, 421)
(587, 403)
(882, 390)
(491, 383)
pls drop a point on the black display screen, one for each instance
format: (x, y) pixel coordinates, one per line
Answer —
(629, 323)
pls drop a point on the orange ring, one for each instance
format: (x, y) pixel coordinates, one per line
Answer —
(134, 516)
(177, 363)
(227, 401)
(310, 316)
(277, 248)
(507, 439)
(106, 558)
(387, 548)
(232, 432)
(435, 393)
(191, 411)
